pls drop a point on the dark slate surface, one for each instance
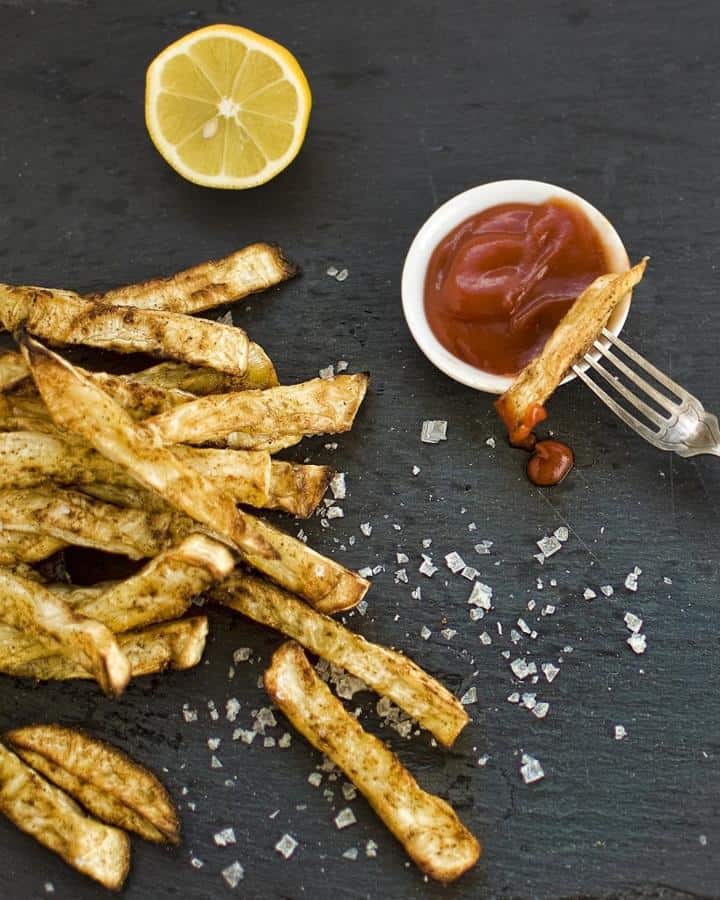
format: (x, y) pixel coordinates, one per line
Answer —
(415, 102)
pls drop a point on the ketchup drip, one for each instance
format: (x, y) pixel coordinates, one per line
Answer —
(550, 463)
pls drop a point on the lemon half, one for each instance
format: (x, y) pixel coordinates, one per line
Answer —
(226, 107)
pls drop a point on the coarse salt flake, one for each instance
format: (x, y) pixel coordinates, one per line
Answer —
(589, 594)
(607, 590)
(470, 696)
(620, 732)
(550, 671)
(427, 568)
(327, 373)
(225, 837)
(338, 486)
(562, 533)
(637, 643)
(448, 633)
(634, 623)
(485, 638)
(531, 770)
(433, 431)
(481, 595)
(234, 874)
(540, 710)
(454, 562)
(345, 818)
(351, 853)
(425, 632)
(286, 846)
(549, 545)
(631, 579)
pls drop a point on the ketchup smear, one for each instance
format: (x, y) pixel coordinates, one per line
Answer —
(499, 283)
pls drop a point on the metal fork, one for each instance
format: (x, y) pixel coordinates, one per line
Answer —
(686, 428)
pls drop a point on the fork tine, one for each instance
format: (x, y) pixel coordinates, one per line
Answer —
(659, 376)
(649, 413)
(667, 404)
(620, 411)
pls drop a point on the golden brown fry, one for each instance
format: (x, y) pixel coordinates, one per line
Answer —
(387, 672)
(102, 778)
(254, 268)
(265, 420)
(169, 645)
(84, 409)
(52, 818)
(297, 489)
(571, 339)
(13, 370)
(30, 607)
(260, 374)
(74, 518)
(428, 828)
(62, 317)
(17, 547)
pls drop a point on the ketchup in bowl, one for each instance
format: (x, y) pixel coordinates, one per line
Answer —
(498, 284)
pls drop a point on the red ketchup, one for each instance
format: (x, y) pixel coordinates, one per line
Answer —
(498, 284)
(550, 463)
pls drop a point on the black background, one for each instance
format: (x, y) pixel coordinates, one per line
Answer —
(414, 102)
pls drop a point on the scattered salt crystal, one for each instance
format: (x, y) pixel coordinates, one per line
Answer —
(549, 545)
(521, 668)
(529, 701)
(215, 763)
(286, 846)
(454, 562)
(338, 486)
(553, 582)
(531, 770)
(416, 594)
(265, 718)
(335, 512)
(541, 709)
(225, 837)
(638, 643)
(448, 633)
(514, 697)
(342, 275)
(485, 638)
(470, 573)
(703, 840)
(331, 446)
(213, 743)
(490, 442)
(416, 470)
(190, 715)
(365, 572)
(567, 649)
(351, 853)
(327, 373)
(268, 742)
(366, 529)
(226, 318)
(371, 849)
(234, 874)
(285, 740)
(345, 818)
(426, 543)
(196, 863)
(634, 623)
(402, 559)
(481, 595)
(341, 365)
(331, 271)
(470, 696)
(212, 709)
(523, 626)
(49, 887)
(425, 632)
(362, 607)
(349, 791)
(562, 534)
(232, 708)
(476, 613)
(483, 548)
(589, 594)
(531, 605)
(515, 636)
(315, 779)
(667, 580)
(548, 610)
(401, 576)
(540, 557)
(483, 760)
(607, 590)
(433, 431)
(550, 671)
(620, 732)
(244, 735)
(631, 580)
(427, 568)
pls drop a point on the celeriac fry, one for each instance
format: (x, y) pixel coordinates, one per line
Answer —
(17, 547)
(52, 818)
(265, 420)
(428, 828)
(102, 778)
(387, 672)
(170, 645)
(260, 374)
(74, 518)
(28, 606)
(84, 409)
(62, 317)
(13, 370)
(298, 489)
(247, 271)
(572, 338)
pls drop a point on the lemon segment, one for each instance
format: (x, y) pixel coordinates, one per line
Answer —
(226, 107)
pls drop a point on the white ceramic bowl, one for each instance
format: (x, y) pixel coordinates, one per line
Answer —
(450, 215)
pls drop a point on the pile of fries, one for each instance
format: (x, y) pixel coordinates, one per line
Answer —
(164, 465)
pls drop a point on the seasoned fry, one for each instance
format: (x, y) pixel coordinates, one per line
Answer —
(17, 547)
(62, 317)
(104, 780)
(520, 407)
(387, 672)
(74, 518)
(265, 420)
(84, 409)
(28, 606)
(260, 374)
(52, 818)
(169, 645)
(254, 268)
(13, 370)
(433, 836)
